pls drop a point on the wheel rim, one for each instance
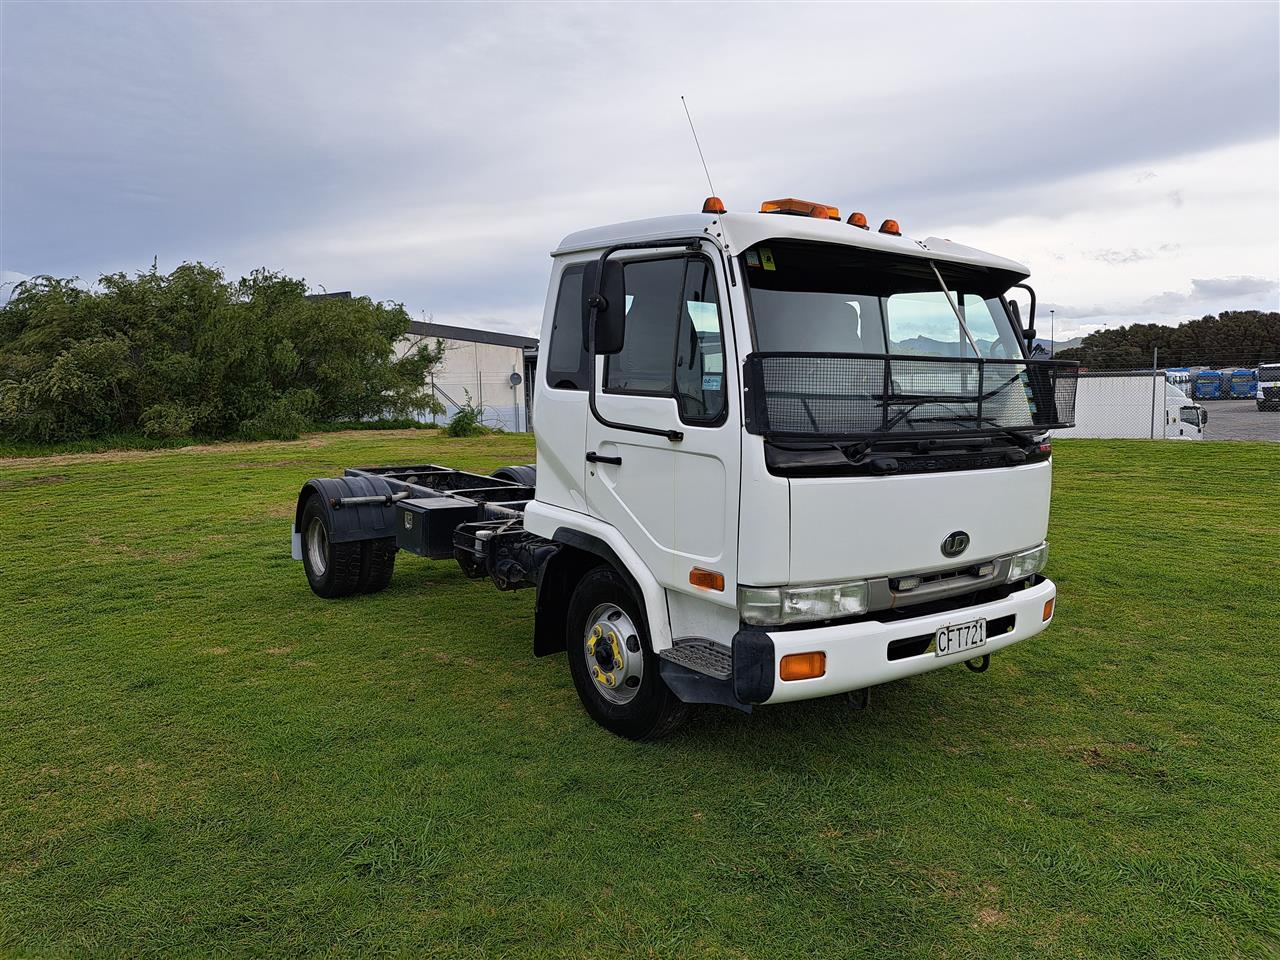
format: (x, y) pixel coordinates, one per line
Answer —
(317, 546)
(615, 658)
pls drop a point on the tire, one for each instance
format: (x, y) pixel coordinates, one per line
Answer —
(333, 569)
(377, 563)
(645, 710)
(524, 474)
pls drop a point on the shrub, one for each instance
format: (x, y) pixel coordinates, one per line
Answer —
(467, 422)
(166, 421)
(190, 352)
(284, 419)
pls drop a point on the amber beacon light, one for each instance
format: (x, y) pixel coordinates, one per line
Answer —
(713, 205)
(801, 208)
(891, 227)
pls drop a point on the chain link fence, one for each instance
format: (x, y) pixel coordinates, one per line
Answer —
(1209, 401)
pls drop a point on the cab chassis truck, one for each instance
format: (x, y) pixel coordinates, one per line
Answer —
(779, 456)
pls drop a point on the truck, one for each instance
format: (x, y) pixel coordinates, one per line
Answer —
(1268, 386)
(779, 456)
(1142, 404)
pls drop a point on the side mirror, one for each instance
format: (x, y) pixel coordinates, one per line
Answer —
(607, 309)
(1029, 334)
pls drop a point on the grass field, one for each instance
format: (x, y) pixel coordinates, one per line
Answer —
(198, 756)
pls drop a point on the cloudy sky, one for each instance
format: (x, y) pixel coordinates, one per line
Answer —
(434, 154)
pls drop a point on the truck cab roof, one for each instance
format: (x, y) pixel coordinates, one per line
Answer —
(738, 231)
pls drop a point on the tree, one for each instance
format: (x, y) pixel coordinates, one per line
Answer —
(1241, 338)
(191, 353)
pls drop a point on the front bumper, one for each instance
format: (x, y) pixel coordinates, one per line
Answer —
(858, 654)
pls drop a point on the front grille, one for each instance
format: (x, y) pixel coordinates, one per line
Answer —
(905, 647)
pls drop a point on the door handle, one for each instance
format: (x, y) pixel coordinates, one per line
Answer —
(593, 457)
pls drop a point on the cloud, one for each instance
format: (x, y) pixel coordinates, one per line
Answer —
(434, 154)
(1211, 295)
(1233, 287)
(1132, 255)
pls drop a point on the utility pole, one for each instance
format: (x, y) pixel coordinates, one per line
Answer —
(1155, 372)
(1053, 340)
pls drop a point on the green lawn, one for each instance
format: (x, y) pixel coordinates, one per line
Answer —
(198, 756)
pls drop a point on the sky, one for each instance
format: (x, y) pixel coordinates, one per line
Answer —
(433, 155)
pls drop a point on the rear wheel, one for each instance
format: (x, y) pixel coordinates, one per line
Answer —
(613, 666)
(333, 569)
(525, 474)
(377, 563)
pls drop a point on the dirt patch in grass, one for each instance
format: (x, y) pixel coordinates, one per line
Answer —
(25, 482)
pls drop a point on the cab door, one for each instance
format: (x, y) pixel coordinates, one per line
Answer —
(675, 500)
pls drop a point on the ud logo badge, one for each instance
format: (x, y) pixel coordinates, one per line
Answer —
(408, 520)
(955, 544)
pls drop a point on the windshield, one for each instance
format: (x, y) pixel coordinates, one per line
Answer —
(1269, 373)
(826, 298)
(855, 343)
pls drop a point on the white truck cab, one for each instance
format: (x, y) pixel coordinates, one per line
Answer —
(1267, 393)
(1184, 418)
(779, 456)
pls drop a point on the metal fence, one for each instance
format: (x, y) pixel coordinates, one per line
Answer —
(1222, 401)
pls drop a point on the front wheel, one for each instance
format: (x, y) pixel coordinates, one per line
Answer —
(613, 666)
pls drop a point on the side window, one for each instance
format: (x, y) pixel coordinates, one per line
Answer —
(567, 360)
(700, 386)
(644, 365)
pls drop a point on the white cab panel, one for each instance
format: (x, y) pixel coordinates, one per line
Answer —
(851, 527)
(764, 532)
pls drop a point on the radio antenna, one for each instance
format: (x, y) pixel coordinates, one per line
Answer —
(698, 145)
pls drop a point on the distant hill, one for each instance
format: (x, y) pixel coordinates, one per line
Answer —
(927, 345)
(1054, 346)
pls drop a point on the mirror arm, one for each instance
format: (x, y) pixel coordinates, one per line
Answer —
(596, 301)
(1031, 320)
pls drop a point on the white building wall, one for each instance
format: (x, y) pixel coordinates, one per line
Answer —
(480, 373)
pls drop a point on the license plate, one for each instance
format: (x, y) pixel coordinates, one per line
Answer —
(960, 636)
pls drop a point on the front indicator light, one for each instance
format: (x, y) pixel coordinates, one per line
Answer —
(802, 666)
(1048, 610)
(707, 579)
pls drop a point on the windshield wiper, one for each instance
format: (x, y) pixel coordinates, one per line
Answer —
(855, 453)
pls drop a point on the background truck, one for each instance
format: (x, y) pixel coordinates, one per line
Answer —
(779, 456)
(1268, 387)
(1134, 404)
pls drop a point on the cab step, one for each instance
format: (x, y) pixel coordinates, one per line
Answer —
(701, 656)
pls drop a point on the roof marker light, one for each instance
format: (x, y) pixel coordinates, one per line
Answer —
(891, 227)
(713, 205)
(859, 220)
(801, 208)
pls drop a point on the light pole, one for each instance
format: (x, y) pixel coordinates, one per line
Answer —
(1053, 341)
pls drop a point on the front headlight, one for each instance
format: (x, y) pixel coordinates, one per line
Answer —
(776, 606)
(1028, 562)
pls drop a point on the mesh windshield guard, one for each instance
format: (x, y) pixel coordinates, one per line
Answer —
(857, 395)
